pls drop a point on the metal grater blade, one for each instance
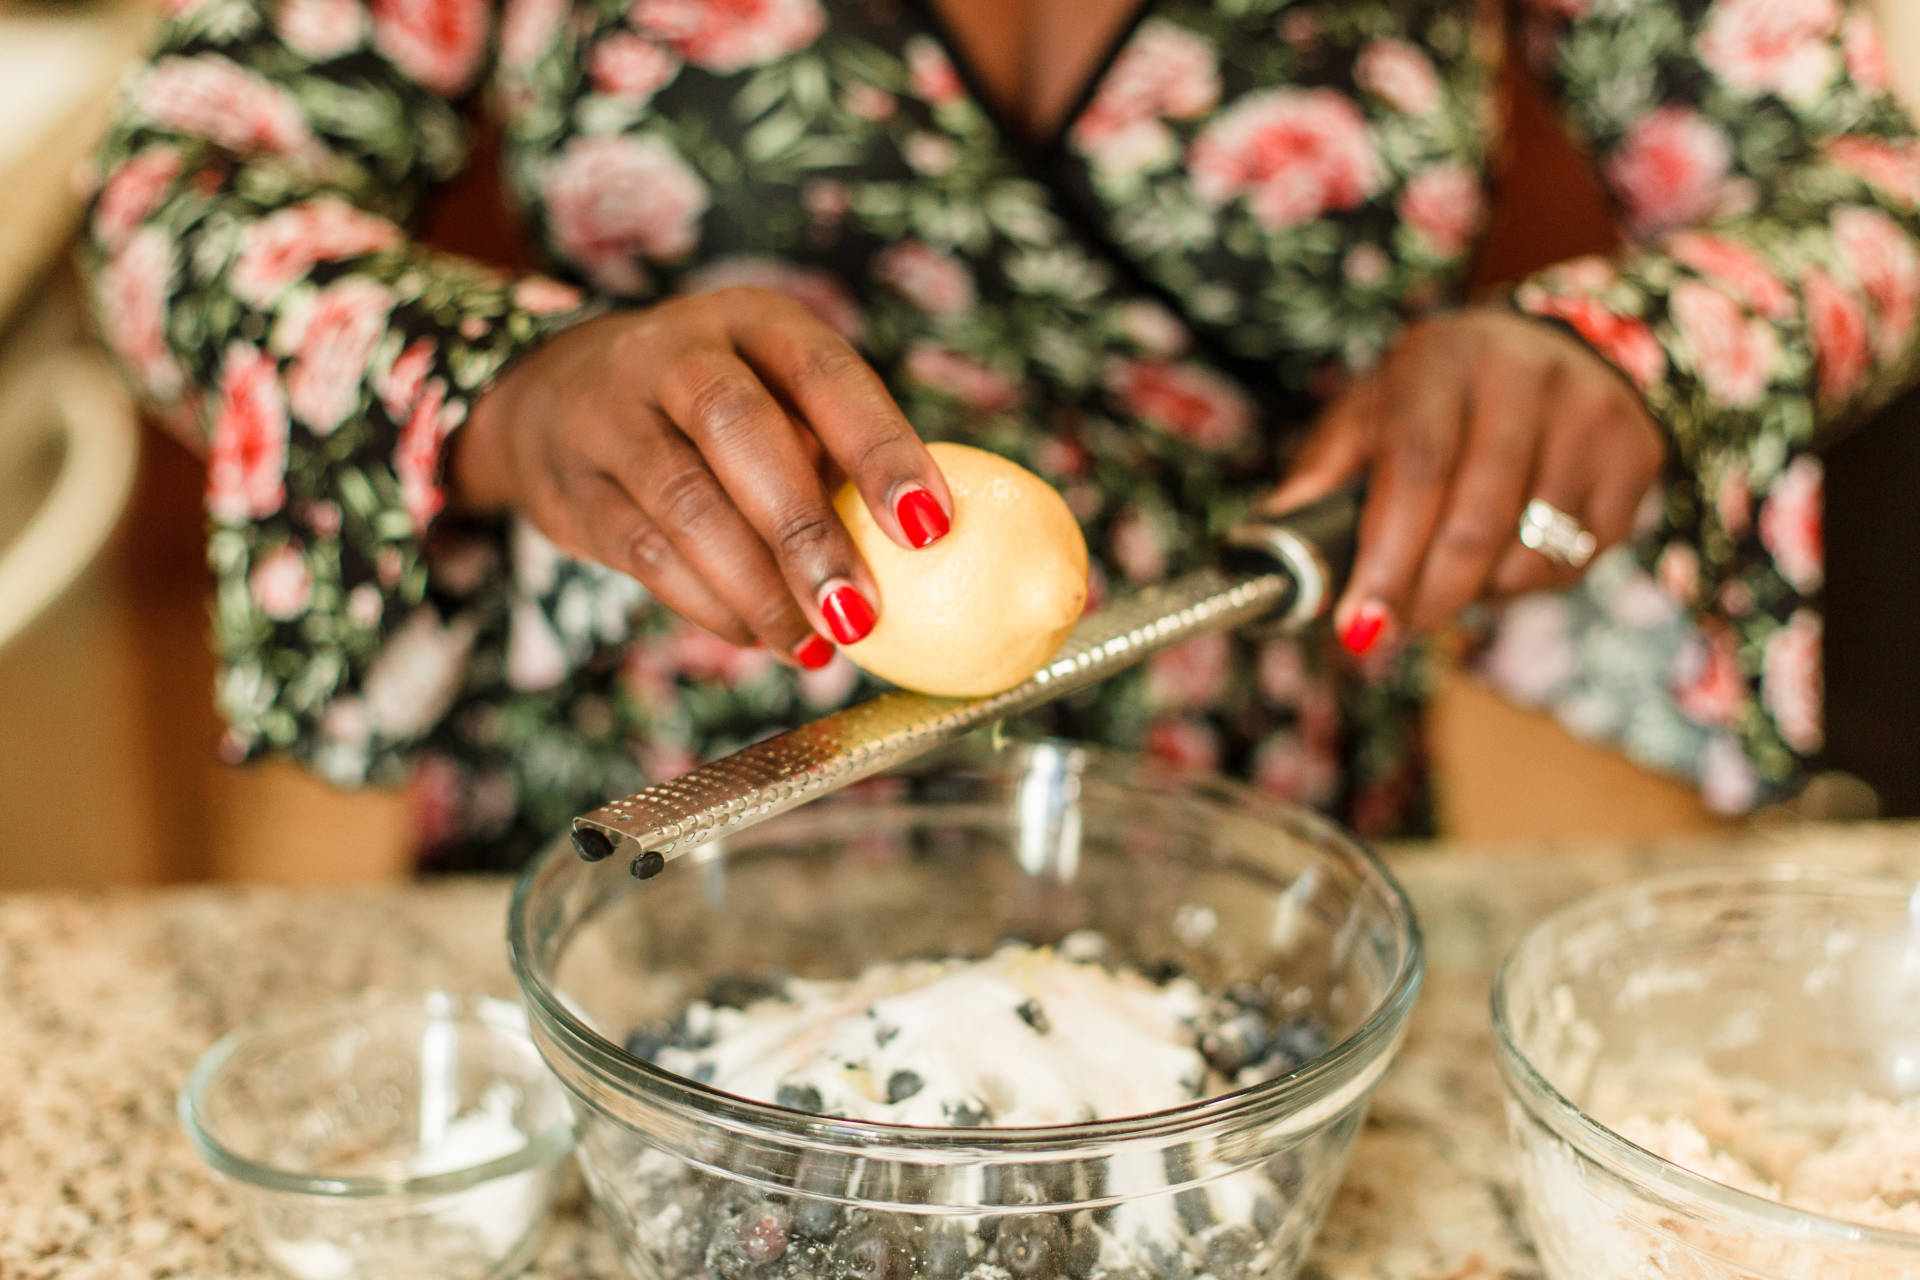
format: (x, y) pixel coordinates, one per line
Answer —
(1282, 570)
(792, 768)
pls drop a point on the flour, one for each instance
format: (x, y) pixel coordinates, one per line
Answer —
(1024, 1037)
(462, 1233)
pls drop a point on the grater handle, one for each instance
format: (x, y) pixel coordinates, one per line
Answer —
(1279, 573)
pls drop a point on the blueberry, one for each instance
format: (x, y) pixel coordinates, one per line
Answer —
(1083, 1248)
(747, 1234)
(737, 991)
(967, 1113)
(1161, 972)
(1168, 1262)
(1055, 1181)
(1195, 1210)
(902, 1085)
(1229, 1252)
(1283, 1171)
(1034, 1016)
(1033, 1247)
(799, 1097)
(871, 1251)
(1232, 1044)
(944, 1255)
(646, 1041)
(683, 1033)
(1302, 1040)
(1268, 1214)
(1004, 1185)
(815, 1219)
(764, 1235)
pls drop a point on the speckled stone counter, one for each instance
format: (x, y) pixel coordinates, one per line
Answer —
(106, 1001)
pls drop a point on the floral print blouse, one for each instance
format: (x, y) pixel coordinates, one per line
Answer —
(1250, 201)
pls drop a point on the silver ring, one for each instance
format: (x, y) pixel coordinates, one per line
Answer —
(1556, 535)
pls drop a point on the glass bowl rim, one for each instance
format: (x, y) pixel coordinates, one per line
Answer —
(1317, 1078)
(501, 1017)
(1627, 1160)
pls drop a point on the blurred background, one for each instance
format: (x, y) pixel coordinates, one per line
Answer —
(109, 770)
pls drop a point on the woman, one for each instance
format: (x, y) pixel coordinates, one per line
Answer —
(534, 544)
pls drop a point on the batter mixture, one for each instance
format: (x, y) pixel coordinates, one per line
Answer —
(1859, 1165)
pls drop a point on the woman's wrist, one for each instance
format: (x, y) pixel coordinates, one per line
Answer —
(479, 476)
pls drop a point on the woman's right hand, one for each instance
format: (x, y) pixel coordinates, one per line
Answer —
(685, 445)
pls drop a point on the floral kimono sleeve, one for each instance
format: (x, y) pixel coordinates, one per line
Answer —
(1768, 182)
(252, 275)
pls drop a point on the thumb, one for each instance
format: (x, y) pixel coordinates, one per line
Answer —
(1334, 452)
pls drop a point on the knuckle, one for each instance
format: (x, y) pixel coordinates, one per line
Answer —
(688, 497)
(825, 364)
(647, 547)
(724, 404)
(1653, 455)
(883, 458)
(776, 617)
(804, 535)
(740, 302)
(735, 296)
(1470, 538)
(1520, 576)
(1420, 456)
(1594, 403)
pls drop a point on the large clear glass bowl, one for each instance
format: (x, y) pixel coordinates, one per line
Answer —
(1749, 1004)
(952, 857)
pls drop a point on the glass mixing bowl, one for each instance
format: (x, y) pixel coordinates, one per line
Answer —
(404, 1135)
(1748, 1009)
(952, 857)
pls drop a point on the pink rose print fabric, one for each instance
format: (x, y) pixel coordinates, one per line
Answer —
(1246, 207)
(1292, 155)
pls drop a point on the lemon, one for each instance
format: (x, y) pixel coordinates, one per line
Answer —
(987, 605)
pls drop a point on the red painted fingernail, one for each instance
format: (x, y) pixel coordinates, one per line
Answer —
(921, 518)
(813, 653)
(1363, 629)
(848, 614)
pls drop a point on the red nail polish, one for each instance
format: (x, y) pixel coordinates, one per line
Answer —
(1363, 629)
(813, 653)
(921, 518)
(849, 615)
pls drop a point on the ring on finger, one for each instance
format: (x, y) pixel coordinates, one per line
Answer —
(1553, 533)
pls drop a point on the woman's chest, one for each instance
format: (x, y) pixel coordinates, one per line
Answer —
(1034, 58)
(1284, 176)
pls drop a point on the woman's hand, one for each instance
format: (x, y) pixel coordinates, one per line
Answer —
(684, 445)
(1469, 418)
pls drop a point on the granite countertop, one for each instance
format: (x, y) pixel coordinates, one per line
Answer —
(105, 1002)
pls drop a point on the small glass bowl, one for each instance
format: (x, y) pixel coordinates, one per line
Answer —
(397, 1135)
(1711, 999)
(950, 857)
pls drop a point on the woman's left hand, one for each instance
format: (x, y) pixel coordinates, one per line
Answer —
(1468, 418)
